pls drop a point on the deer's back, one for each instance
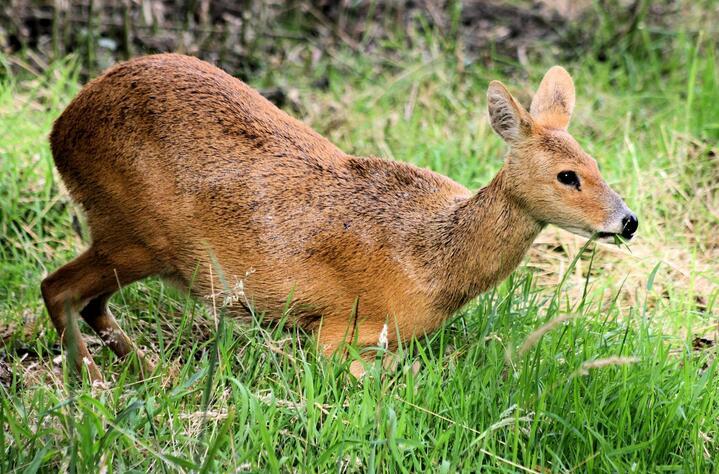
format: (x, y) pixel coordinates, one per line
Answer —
(195, 114)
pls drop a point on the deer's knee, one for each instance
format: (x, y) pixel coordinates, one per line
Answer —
(51, 293)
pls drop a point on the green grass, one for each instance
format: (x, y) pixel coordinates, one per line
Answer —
(235, 398)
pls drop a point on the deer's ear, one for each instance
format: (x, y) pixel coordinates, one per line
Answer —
(553, 103)
(507, 116)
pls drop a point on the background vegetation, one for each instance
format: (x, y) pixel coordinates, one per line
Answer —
(588, 358)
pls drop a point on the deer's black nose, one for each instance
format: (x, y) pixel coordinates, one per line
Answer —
(629, 226)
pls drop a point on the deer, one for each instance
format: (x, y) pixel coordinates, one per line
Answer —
(180, 167)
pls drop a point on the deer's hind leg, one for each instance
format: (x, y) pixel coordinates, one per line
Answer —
(82, 287)
(98, 316)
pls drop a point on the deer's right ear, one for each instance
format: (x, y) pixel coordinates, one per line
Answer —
(507, 116)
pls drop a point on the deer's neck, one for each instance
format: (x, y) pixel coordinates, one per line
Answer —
(477, 243)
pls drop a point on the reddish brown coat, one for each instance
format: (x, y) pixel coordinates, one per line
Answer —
(176, 163)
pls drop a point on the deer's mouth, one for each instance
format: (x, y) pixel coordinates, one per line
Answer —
(601, 236)
(606, 235)
(611, 237)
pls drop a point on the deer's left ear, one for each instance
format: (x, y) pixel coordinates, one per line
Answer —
(553, 103)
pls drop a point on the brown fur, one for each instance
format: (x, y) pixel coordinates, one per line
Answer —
(176, 163)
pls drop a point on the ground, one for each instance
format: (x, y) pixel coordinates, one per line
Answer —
(589, 357)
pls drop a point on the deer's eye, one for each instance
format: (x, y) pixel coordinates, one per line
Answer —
(569, 178)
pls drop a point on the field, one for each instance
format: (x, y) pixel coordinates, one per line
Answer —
(589, 357)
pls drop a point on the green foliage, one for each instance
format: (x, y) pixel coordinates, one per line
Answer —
(616, 387)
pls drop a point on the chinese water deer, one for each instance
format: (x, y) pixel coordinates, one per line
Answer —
(181, 167)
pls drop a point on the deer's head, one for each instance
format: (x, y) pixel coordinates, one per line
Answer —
(546, 170)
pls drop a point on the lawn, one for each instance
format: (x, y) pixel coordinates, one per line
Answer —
(589, 357)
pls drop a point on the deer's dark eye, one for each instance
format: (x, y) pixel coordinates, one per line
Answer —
(569, 178)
